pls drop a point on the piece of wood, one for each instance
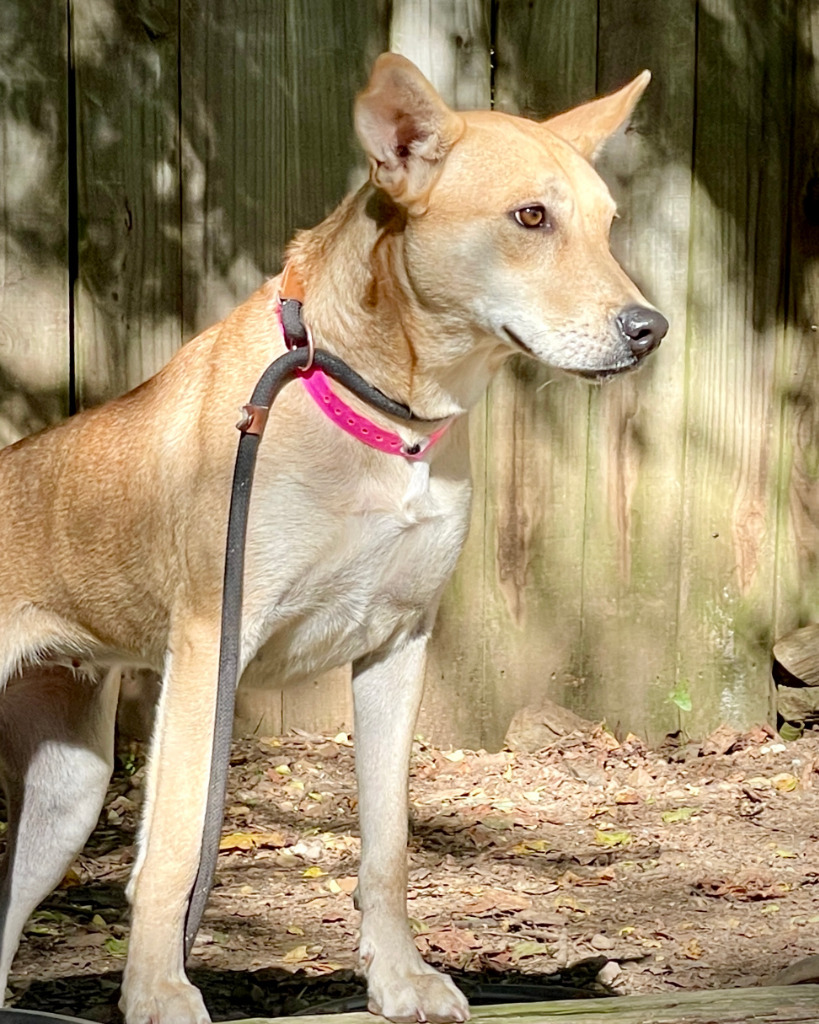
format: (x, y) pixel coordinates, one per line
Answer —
(34, 278)
(781, 1005)
(536, 425)
(128, 292)
(734, 367)
(582, 563)
(266, 100)
(631, 554)
(798, 654)
(449, 41)
(266, 97)
(797, 581)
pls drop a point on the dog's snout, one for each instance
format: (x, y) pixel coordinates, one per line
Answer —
(642, 328)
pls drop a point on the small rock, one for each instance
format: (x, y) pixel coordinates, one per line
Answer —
(798, 703)
(608, 975)
(536, 726)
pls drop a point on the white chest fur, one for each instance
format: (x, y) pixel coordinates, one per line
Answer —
(329, 585)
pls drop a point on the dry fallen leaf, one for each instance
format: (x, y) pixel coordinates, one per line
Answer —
(496, 901)
(296, 955)
(527, 948)
(251, 840)
(750, 888)
(611, 837)
(527, 846)
(679, 814)
(449, 940)
(784, 782)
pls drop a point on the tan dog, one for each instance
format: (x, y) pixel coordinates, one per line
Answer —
(478, 236)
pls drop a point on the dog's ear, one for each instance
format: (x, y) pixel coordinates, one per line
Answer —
(589, 126)
(405, 127)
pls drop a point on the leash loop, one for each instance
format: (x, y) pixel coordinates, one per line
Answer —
(255, 414)
(301, 357)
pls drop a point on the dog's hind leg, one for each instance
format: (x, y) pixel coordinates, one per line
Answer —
(387, 694)
(56, 756)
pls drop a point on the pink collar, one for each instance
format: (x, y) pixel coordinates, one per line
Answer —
(318, 387)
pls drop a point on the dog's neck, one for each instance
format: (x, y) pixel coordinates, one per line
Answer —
(360, 305)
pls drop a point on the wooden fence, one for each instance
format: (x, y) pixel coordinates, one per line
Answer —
(635, 548)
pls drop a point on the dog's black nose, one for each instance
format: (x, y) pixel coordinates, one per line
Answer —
(642, 328)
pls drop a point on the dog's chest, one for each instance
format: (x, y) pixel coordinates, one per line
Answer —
(359, 580)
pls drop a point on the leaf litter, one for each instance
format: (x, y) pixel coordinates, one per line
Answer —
(695, 866)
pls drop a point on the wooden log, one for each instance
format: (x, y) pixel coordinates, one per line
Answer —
(798, 654)
(797, 1004)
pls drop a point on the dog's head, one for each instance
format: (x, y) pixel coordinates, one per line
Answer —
(507, 222)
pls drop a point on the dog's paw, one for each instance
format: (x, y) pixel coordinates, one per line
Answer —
(167, 1001)
(422, 996)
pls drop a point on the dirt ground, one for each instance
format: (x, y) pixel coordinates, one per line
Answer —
(592, 866)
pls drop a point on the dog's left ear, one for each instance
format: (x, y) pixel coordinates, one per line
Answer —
(405, 128)
(588, 127)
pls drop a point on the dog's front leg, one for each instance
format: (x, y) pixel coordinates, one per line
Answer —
(155, 989)
(387, 694)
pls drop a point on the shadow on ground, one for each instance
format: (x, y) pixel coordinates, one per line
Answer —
(273, 992)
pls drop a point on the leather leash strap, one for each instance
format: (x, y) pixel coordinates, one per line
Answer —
(282, 370)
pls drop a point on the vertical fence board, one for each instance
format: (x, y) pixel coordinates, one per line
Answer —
(631, 556)
(127, 314)
(34, 306)
(267, 95)
(797, 589)
(449, 41)
(538, 421)
(744, 70)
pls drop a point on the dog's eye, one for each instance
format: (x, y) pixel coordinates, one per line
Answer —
(532, 217)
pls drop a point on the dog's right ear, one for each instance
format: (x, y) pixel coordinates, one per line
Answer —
(405, 127)
(587, 127)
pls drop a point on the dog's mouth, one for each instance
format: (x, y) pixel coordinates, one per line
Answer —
(519, 342)
(596, 376)
(601, 376)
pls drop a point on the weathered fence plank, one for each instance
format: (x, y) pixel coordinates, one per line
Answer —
(449, 41)
(739, 238)
(576, 552)
(796, 591)
(268, 93)
(34, 288)
(631, 559)
(538, 422)
(127, 320)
